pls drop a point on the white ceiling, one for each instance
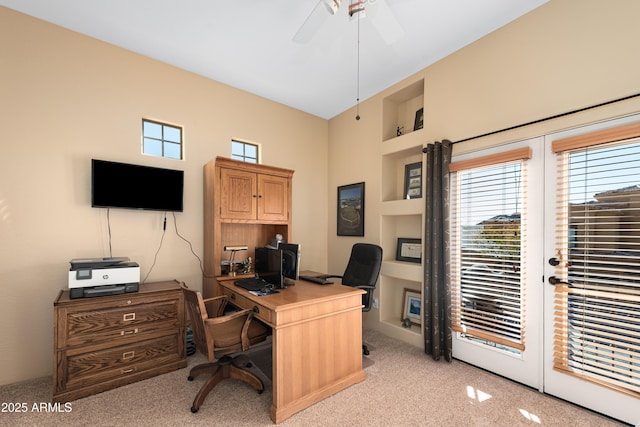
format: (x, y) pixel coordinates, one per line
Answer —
(249, 44)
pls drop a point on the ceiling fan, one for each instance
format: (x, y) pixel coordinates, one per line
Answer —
(381, 16)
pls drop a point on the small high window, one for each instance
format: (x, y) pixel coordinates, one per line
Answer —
(244, 151)
(161, 139)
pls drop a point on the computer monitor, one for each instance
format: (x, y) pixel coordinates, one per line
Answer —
(290, 260)
(268, 266)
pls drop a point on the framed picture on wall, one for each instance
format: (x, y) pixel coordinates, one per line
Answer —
(419, 121)
(350, 219)
(409, 250)
(412, 307)
(413, 181)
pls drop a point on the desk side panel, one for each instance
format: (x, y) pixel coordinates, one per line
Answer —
(316, 354)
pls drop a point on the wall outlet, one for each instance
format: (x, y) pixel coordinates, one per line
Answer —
(375, 303)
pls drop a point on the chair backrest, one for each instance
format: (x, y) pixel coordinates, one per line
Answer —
(363, 269)
(198, 315)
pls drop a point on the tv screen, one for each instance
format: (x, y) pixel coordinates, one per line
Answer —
(290, 260)
(123, 185)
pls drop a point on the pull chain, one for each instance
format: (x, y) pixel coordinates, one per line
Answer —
(358, 74)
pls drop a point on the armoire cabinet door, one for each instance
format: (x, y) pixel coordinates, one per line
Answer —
(238, 194)
(272, 198)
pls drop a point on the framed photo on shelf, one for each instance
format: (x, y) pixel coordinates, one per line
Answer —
(350, 221)
(409, 250)
(413, 181)
(412, 306)
(419, 121)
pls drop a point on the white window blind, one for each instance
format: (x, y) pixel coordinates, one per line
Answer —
(597, 295)
(488, 239)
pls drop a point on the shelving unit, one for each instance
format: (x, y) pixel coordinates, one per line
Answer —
(400, 216)
(244, 204)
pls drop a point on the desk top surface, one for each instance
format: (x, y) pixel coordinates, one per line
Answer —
(302, 293)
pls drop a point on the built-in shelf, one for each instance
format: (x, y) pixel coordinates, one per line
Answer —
(394, 165)
(400, 216)
(399, 110)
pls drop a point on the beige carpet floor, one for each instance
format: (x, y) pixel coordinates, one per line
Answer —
(403, 388)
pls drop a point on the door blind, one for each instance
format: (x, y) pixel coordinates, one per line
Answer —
(488, 238)
(597, 294)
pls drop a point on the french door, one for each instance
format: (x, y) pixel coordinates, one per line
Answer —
(592, 266)
(493, 239)
(545, 267)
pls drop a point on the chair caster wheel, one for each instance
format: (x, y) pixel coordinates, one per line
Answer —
(190, 378)
(365, 352)
(194, 409)
(260, 391)
(248, 365)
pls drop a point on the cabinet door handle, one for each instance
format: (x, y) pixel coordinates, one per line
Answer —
(129, 332)
(128, 316)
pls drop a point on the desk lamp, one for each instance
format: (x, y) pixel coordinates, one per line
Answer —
(233, 250)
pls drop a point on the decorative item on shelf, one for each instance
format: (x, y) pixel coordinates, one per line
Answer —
(276, 241)
(413, 181)
(409, 250)
(350, 221)
(406, 323)
(232, 263)
(419, 121)
(400, 131)
(246, 266)
(411, 307)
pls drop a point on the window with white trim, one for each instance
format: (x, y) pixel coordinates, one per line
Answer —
(161, 139)
(244, 151)
(487, 247)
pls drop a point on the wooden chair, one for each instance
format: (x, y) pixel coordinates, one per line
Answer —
(218, 338)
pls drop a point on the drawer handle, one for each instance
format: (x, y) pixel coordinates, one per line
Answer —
(256, 309)
(127, 371)
(128, 355)
(129, 332)
(129, 316)
(232, 296)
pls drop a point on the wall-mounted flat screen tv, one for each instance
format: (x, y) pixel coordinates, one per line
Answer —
(123, 185)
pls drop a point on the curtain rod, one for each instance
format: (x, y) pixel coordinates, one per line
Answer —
(579, 110)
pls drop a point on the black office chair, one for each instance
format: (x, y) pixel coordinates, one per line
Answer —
(362, 272)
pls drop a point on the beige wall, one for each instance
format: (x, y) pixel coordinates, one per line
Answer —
(65, 99)
(565, 55)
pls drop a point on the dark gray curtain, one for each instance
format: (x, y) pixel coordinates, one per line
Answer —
(437, 295)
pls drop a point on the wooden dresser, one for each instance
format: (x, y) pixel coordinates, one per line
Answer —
(105, 342)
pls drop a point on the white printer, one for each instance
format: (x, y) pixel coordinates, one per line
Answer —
(93, 277)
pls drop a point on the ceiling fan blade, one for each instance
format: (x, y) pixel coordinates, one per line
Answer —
(312, 24)
(386, 23)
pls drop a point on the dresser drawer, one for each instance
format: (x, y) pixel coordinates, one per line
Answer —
(98, 366)
(240, 301)
(101, 325)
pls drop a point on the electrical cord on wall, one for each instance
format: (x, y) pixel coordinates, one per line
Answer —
(175, 224)
(164, 230)
(109, 231)
(155, 257)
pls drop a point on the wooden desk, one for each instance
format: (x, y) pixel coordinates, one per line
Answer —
(317, 340)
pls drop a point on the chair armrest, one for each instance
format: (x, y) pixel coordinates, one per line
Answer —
(365, 287)
(230, 316)
(223, 303)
